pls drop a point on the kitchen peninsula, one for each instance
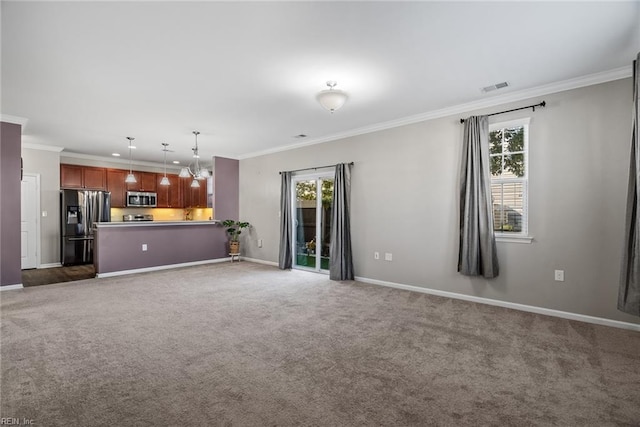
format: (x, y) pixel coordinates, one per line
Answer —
(128, 247)
(131, 247)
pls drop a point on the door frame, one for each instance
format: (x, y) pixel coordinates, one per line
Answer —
(316, 175)
(38, 213)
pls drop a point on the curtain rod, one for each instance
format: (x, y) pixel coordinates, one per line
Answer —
(317, 167)
(542, 104)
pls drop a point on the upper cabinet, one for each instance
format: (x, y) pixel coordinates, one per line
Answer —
(116, 185)
(194, 197)
(83, 177)
(145, 181)
(169, 196)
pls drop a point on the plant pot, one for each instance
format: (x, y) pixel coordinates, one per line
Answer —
(234, 247)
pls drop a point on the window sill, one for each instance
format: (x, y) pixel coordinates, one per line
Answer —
(513, 239)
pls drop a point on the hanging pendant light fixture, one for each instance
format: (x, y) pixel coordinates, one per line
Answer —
(131, 178)
(198, 173)
(165, 180)
(332, 99)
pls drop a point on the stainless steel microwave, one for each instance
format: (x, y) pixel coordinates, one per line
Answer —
(136, 199)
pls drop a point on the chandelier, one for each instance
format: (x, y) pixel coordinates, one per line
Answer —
(197, 172)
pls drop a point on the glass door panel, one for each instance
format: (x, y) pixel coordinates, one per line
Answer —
(312, 231)
(305, 223)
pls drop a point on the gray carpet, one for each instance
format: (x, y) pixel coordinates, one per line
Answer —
(249, 345)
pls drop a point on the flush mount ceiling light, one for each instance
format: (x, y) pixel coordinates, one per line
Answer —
(332, 99)
(198, 173)
(131, 178)
(165, 180)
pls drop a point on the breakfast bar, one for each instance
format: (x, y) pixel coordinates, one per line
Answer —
(130, 247)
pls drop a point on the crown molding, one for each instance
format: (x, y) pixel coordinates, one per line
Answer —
(42, 147)
(576, 83)
(13, 119)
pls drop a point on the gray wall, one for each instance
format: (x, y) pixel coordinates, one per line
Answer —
(47, 165)
(404, 188)
(10, 141)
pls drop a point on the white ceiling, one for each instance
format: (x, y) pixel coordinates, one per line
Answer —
(245, 74)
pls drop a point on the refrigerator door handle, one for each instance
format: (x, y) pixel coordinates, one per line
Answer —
(80, 238)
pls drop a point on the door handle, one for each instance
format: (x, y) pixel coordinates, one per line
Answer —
(80, 238)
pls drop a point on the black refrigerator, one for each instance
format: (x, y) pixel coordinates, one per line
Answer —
(80, 210)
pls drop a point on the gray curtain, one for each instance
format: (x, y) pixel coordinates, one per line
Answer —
(629, 292)
(340, 259)
(285, 258)
(477, 253)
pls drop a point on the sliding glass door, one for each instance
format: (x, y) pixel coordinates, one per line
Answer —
(313, 195)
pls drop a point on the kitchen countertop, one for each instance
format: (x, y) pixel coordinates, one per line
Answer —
(154, 223)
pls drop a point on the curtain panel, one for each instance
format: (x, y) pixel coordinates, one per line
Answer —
(285, 256)
(477, 254)
(629, 291)
(340, 256)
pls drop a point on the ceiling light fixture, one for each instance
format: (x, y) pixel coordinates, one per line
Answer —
(131, 178)
(332, 99)
(198, 173)
(165, 180)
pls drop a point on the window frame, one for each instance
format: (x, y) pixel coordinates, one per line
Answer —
(522, 236)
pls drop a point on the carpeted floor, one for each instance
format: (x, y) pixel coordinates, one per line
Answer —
(249, 345)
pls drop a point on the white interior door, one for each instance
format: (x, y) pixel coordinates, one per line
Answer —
(29, 221)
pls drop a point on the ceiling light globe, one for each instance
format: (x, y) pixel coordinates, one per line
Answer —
(164, 181)
(332, 99)
(195, 184)
(130, 179)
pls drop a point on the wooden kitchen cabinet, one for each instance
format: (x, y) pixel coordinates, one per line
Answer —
(170, 196)
(194, 197)
(117, 187)
(145, 181)
(83, 177)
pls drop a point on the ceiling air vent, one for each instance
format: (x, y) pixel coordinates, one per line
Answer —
(495, 87)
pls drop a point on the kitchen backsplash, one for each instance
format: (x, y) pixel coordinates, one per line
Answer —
(163, 214)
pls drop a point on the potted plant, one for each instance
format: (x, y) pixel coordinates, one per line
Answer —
(234, 228)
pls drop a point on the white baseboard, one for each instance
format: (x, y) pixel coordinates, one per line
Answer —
(11, 287)
(261, 261)
(50, 265)
(161, 267)
(506, 304)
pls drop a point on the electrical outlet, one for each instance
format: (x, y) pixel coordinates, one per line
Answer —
(376, 255)
(44, 213)
(388, 256)
(144, 247)
(259, 243)
(559, 275)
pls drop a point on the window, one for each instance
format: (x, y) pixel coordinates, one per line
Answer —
(508, 143)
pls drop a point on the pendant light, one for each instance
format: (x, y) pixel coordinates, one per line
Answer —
(198, 173)
(332, 99)
(165, 180)
(131, 178)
